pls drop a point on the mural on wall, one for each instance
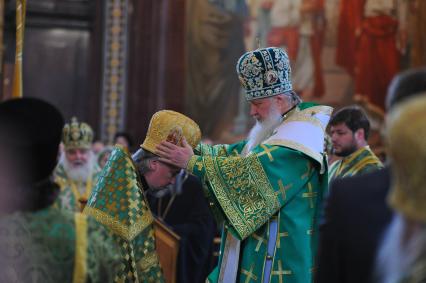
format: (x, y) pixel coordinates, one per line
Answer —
(341, 51)
(214, 44)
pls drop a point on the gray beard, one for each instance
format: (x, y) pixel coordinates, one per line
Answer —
(80, 173)
(263, 130)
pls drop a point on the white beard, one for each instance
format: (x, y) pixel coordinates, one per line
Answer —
(79, 173)
(397, 254)
(263, 129)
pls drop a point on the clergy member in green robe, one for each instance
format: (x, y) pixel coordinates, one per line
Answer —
(77, 171)
(349, 131)
(39, 242)
(361, 161)
(267, 190)
(54, 245)
(118, 203)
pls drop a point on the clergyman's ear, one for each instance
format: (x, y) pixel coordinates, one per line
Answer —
(360, 134)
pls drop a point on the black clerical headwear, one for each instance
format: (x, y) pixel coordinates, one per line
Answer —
(30, 131)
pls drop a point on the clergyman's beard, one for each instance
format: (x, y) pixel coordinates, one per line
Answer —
(263, 129)
(80, 173)
(348, 150)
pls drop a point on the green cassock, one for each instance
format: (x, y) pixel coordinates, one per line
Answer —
(118, 203)
(52, 245)
(278, 183)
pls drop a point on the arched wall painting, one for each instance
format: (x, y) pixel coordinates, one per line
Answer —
(340, 51)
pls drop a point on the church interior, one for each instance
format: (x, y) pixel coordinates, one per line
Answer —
(113, 64)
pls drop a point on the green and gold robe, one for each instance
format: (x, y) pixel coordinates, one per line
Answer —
(53, 245)
(117, 202)
(361, 161)
(278, 183)
(72, 191)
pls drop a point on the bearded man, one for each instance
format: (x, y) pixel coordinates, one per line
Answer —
(77, 171)
(349, 129)
(118, 201)
(267, 190)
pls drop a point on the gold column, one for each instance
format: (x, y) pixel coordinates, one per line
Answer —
(20, 28)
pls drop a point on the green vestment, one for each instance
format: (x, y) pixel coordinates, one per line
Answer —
(53, 245)
(72, 191)
(361, 161)
(282, 180)
(118, 203)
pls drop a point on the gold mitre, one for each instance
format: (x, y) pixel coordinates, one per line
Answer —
(406, 133)
(171, 126)
(77, 135)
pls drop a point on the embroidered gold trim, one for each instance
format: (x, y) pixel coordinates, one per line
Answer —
(243, 191)
(80, 268)
(148, 261)
(126, 232)
(368, 161)
(191, 163)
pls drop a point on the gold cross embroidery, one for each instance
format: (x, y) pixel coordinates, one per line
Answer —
(283, 189)
(260, 241)
(280, 272)
(267, 151)
(249, 274)
(310, 194)
(284, 234)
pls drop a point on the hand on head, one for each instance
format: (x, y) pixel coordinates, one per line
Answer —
(175, 155)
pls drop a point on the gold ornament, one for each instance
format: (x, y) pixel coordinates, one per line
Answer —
(167, 125)
(77, 135)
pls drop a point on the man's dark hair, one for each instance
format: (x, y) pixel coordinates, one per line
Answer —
(406, 84)
(353, 117)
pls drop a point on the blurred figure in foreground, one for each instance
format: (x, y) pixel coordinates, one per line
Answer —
(402, 256)
(38, 242)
